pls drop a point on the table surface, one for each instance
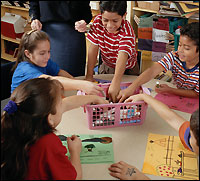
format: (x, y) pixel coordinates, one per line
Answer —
(129, 143)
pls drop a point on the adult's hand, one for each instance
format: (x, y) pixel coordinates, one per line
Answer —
(36, 24)
(81, 26)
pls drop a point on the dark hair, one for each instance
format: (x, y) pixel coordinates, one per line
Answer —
(118, 7)
(194, 125)
(29, 41)
(192, 31)
(35, 99)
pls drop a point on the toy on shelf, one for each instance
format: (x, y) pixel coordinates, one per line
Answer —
(116, 114)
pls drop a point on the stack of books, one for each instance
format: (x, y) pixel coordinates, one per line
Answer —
(187, 9)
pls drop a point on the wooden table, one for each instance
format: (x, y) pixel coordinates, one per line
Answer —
(129, 143)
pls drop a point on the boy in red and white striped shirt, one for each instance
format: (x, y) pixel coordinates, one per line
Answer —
(115, 38)
(184, 65)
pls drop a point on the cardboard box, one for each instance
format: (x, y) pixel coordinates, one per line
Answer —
(149, 5)
(12, 25)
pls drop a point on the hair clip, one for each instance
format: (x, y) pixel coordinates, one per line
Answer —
(31, 31)
(11, 107)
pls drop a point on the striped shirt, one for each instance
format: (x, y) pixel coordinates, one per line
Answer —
(183, 77)
(111, 44)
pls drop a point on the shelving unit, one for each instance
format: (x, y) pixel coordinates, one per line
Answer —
(139, 12)
(24, 13)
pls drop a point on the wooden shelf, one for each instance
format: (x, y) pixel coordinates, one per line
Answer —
(145, 10)
(15, 7)
(10, 39)
(8, 57)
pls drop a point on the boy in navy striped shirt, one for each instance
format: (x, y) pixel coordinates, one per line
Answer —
(183, 63)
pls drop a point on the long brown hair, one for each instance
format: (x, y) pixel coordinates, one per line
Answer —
(35, 100)
(29, 41)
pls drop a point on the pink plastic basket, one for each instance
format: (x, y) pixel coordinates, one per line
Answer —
(116, 114)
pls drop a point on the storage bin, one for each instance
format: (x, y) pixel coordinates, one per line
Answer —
(116, 114)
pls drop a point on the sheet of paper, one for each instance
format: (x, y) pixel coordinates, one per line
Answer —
(179, 103)
(95, 148)
(166, 156)
(159, 35)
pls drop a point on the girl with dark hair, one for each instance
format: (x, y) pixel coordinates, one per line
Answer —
(29, 147)
(34, 61)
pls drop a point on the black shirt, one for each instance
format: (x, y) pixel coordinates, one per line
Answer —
(69, 11)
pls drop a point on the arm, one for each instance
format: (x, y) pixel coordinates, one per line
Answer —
(146, 76)
(172, 118)
(114, 88)
(73, 84)
(177, 91)
(63, 73)
(92, 59)
(75, 146)
(76, 101)
(34, 13)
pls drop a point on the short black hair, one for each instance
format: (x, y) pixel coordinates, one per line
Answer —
(194, 125)
(192, 31)
(118, 7)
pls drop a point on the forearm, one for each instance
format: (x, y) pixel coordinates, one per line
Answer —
(63, 73)
(172, 118)
(68, 83)
(92, 59)
(184, 92)
(75, 160)
(76, 101)
(120, 67)
(147, 75)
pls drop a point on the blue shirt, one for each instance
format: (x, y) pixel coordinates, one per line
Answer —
(26, 71)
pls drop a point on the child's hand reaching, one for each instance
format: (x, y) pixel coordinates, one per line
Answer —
(74, 144)
(135, 98)
(163, 88)
(124, 171)
(91, 88)
(99, 100)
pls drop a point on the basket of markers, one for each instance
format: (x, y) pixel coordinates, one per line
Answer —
(116, 114)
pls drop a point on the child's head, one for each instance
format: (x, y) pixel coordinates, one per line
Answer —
(34, 110)
(113, 12)
(34, 47)
(188, 48)
(194, 131)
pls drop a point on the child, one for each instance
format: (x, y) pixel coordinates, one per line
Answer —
(115, 38)
(188, 133)
(34, 61)
(30, 149)
(184, 65)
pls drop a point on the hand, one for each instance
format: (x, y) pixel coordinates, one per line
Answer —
(123, 94)
(124, 171)
(163, 88)
(36, 24)
(100, 100)
(80, 26)
(91, 88)
(74, 144)
(113, 92)
(134, 98)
